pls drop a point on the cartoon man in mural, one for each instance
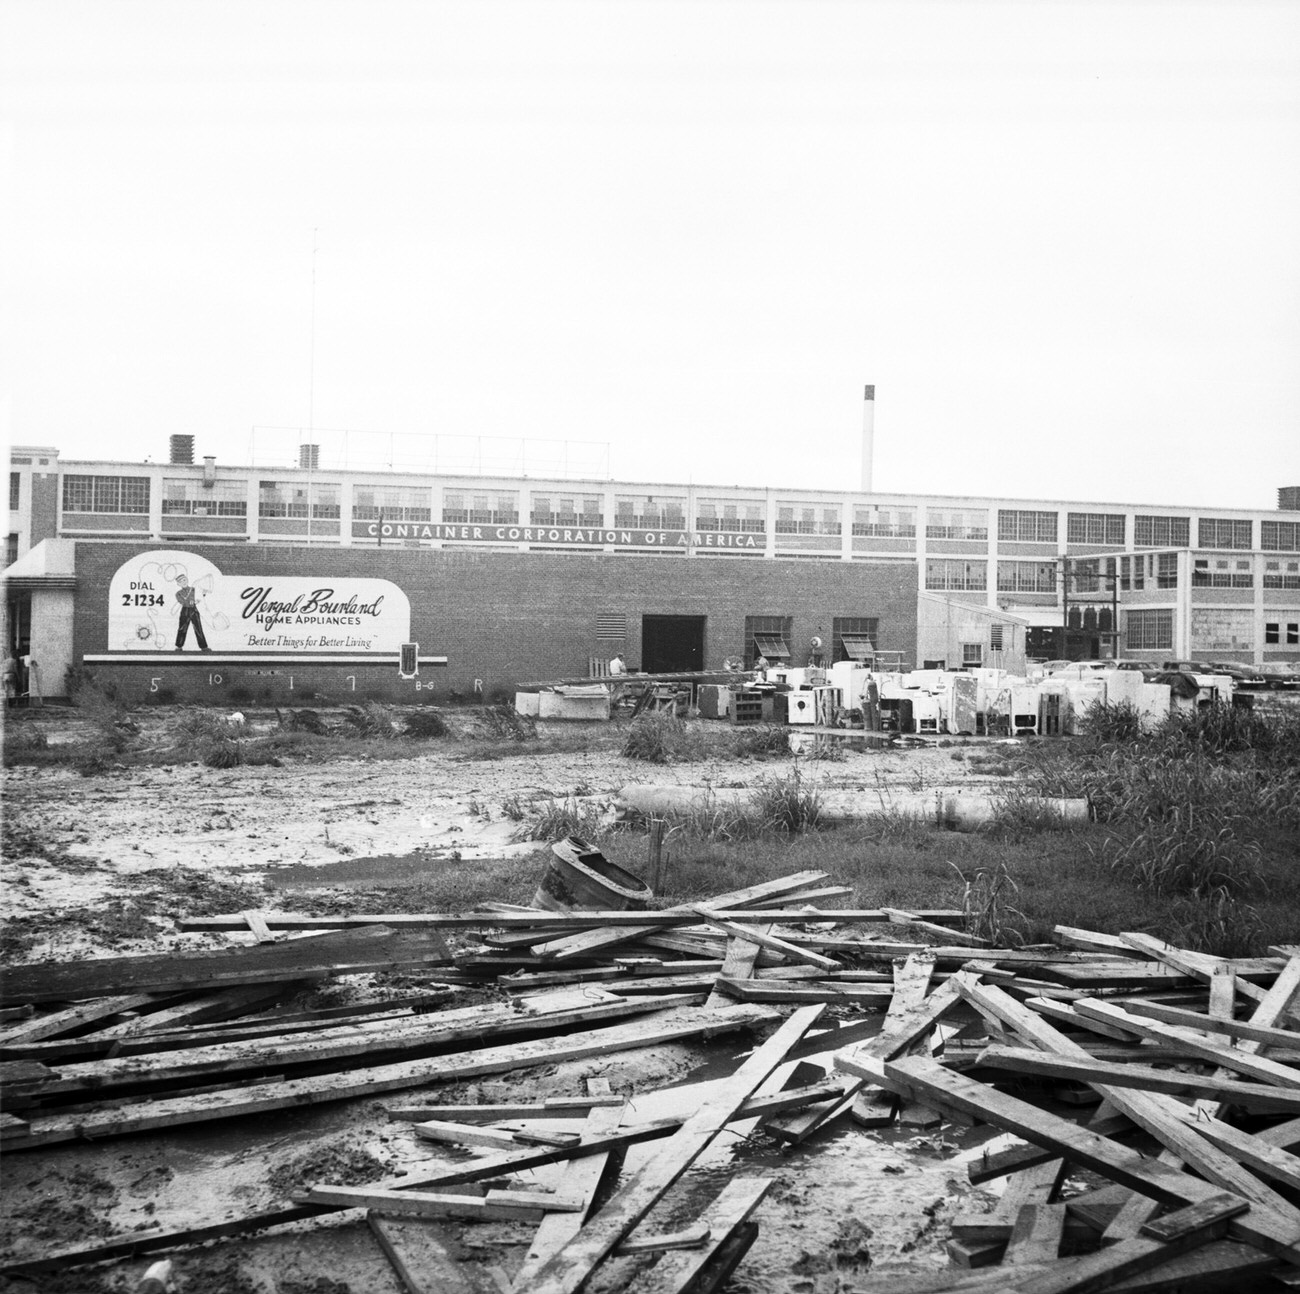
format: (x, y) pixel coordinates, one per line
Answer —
(185, 595)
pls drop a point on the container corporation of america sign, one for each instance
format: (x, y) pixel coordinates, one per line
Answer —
(578, 535)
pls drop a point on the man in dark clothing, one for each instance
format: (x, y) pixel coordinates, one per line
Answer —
(189, 616)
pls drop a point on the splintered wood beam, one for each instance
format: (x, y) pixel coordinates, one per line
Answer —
(677, 1273)
(648, 1031)
(753, 896)
(1268, 1160)
(1238, 1059)
(755, 936)
(1145, 1078)
(1262, 1226)
(568, 1270)
(1155, 1113)
(1246, 1029)
(495, 1206)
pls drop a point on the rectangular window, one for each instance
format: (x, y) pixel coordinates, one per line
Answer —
(955, 573)
(649, 512)
(1280, 536)
(972, 654)
(11, 549)
(1148, 631)
(1272, 632)
(1159, 532)
(120, 494)
(1026, 527)
(884, 523)
(1276, 578)
(298, 500)
(736, 515)
(1167, 571)
(1026, 577)
(1095, 528)
(485, 509)
(189, 497)
(807, 519)
(967, 524)
(1293, 633)
(15, 489)
(1216, 532)
(854, 637)
(767, 636)
(392, 503)
(587, 511)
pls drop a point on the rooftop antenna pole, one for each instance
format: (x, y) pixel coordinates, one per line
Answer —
(311, 385)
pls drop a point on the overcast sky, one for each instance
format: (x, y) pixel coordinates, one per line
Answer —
(1061, 239)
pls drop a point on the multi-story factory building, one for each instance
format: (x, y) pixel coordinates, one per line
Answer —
(308, 577)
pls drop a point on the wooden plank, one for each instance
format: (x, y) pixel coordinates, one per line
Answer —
(1128, 1257)
(1150, 1111)
(730, 1211)
(569, 1269)
(256, 922)
(909, 1027)
(912, 919)
(1036, 1236)
(419, 1258)
(222, 1005)
(693, 1237)
(1033, 1185)
(668, 1026)
(575, 1107)
(755, 935)
(1245, 1029)
(1262, 1226)
(764, 990)
(345, 1043)
(1268, 1160)
(580, 1179)
(738, 964)
(1237, 1059)
(496, 1206)
(873, 1107)
(345, 953)
(1173, 1226)
(795, 910)
(751, 897)
(1141, 1078)
(77, 1016)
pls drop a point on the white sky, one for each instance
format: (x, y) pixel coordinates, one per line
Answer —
(1062, 239)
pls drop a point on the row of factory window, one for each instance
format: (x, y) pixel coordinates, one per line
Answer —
(323, 501)
(1147, 632)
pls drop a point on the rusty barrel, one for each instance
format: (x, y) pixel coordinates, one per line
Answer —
(580, 876)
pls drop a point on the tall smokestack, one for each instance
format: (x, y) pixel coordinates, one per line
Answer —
(868, 436)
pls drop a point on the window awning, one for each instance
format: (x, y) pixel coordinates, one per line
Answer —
(858, 646)
(772, 646)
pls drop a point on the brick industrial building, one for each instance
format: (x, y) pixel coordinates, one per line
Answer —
(311, 577)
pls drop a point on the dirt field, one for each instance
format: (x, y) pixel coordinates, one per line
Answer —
(843, 1204)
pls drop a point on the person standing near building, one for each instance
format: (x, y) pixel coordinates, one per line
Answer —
(185, 595)
(617, 670)
(11, 678)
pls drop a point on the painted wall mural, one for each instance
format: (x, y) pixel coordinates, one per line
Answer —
(174, 601)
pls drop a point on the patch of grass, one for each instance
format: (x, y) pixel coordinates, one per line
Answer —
(555, 819)
(987, 906)
(424, 725)
(786, 804)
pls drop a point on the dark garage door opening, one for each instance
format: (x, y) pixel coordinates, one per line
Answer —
(672, 644)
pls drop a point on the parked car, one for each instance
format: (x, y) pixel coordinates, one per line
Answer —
(1148, 668)
(1188, 667)
(1242, 675)
(1278, 674)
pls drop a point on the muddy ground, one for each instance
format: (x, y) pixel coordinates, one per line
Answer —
(844, 1204)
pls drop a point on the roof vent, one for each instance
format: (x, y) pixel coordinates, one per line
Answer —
(309, 457)
(182, 449)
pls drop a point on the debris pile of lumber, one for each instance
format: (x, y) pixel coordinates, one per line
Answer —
(1174, 1076)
